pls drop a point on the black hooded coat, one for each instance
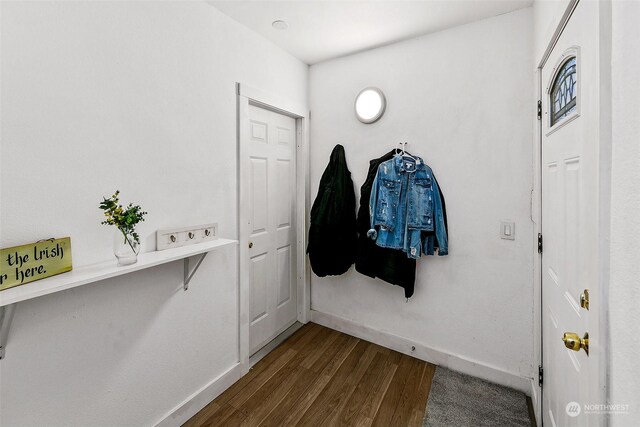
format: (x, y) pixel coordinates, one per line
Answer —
(332, 233)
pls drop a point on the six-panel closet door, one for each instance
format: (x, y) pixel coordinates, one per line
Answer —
(272, 236)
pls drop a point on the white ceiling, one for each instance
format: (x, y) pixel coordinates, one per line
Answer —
(321, 29)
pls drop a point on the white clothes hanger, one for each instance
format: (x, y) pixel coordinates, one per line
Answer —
(404, 152)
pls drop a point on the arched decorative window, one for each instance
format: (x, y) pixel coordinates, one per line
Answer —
(564, 91)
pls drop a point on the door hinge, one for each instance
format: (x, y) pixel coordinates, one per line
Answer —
(540, 375)
(539, 243)
(539, 110)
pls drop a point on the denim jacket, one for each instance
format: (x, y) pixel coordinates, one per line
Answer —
(405, 208)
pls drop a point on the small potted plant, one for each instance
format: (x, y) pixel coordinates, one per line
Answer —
(126, 243)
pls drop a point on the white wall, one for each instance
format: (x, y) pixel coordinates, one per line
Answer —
(624, 293)
(140, 97)
(462, 98)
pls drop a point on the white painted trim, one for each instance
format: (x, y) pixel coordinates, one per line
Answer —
(201, 398)
(303, 207)
(250, 96)
(536, 217)
(271, 102)
(534, 393)
(605, 155)
(559, 29)
(423, 352)
(243, 277)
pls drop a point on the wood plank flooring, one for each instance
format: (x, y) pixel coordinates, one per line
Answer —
(323, 377)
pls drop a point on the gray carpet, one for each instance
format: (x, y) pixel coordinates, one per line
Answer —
(458, 400)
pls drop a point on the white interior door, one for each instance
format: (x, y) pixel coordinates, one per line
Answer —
(271, 189)
(570, 220)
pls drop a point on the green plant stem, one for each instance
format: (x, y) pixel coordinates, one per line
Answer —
(127, 241)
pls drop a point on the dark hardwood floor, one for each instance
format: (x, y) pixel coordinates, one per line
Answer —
(323, 377)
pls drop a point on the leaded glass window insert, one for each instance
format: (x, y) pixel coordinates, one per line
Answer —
(564, 91)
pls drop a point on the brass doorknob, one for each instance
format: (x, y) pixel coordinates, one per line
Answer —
(250, 245)
(573, 341)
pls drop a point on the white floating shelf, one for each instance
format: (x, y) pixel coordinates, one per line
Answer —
(106, 270)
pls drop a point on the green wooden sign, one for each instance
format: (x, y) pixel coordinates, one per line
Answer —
(23, 264)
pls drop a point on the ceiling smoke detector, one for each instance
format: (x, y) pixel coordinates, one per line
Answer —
(280, 25)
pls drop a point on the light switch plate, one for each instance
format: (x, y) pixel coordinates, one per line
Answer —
(508, 230)
(183, 236)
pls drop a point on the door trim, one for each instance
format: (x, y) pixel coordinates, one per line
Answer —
(559, 29)
(245, 96)
(604, 195)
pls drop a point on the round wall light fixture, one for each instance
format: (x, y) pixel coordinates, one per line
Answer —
(370, 105)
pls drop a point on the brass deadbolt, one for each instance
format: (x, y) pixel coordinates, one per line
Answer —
(573, 341)
(250, 245)
(584, 299)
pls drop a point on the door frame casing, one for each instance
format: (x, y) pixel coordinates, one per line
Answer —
(604, 197)
(245, 96)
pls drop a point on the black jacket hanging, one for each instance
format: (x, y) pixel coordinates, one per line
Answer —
(332, 232)
(391, 265)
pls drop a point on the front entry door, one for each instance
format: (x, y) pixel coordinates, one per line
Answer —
(271, 188)
(570, 183)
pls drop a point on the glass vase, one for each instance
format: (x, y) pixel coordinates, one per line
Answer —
(125, 248)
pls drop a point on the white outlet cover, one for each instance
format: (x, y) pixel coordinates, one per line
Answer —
(508, 230)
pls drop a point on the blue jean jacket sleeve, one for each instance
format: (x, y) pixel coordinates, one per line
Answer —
(440, 230)
(428, 245)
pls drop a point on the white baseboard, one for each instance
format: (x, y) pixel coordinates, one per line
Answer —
(423, 352)
(194, 403)
(534, 393)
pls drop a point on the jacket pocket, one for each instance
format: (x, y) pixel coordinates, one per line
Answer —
(387, 208)
(420, 214)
